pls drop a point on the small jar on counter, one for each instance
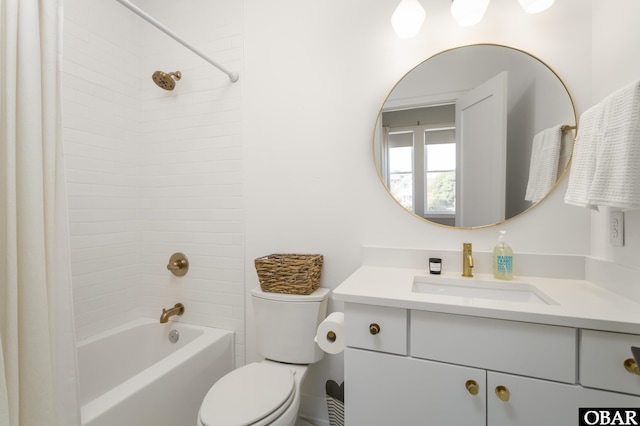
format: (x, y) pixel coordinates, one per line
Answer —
(435, 265)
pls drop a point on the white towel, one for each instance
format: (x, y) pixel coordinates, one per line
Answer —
(583, 164)
(543, 167)
(606, 158)
(616, 182)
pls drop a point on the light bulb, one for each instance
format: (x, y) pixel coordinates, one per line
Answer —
(535, 6)
(468, 12)
(407, 19)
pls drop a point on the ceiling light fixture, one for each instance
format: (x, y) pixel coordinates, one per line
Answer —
(468, 12)
(535, 6)
(408, 18)
(409, 15)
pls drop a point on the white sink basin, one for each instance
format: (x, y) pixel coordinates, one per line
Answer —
(473, 288)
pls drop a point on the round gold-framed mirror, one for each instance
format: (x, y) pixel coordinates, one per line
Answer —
(474, 136)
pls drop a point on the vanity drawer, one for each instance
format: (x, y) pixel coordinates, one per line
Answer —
(378, 328)
(535, 350)
(602, 361)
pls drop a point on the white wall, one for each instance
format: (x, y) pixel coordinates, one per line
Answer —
(316, 74)
(152, 172)
(192, 165)
(102, 147)
(616, 39)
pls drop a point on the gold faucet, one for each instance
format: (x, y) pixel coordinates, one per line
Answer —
(178, 309)
(467, 260)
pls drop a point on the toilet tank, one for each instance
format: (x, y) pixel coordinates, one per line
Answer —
(286, 324)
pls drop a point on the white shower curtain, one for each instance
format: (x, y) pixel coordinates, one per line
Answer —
(38, 380)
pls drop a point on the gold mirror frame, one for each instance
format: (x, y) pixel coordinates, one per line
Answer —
(528, 57)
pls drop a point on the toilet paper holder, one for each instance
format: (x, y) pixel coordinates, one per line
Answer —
(330, 333)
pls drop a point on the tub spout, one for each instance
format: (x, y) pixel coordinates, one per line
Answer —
(178, 309)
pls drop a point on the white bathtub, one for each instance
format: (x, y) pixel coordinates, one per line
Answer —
(133, 375)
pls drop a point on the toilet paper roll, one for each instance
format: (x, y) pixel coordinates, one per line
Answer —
(330, 333)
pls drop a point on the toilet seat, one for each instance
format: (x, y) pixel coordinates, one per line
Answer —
(255, 394)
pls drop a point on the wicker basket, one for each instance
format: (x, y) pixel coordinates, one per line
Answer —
(289, 273)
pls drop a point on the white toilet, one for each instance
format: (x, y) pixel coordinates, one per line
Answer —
(268, 392)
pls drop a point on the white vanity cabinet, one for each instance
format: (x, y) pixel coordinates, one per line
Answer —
(385, 386)
(531, 402)
(415, 367)
(527, 349)
(534, 402)
(385, 389)
(606, 361)
(608, 372)
(540, 361)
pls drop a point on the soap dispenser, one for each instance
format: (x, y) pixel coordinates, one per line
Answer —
(502, 259)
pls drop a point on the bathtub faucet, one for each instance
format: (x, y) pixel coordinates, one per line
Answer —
(178, 309)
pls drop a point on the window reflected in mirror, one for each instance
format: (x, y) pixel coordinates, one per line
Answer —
(425, 148)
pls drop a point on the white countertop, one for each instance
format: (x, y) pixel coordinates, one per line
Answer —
(580, 303)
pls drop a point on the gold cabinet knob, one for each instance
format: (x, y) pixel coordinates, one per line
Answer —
(374, 328)
(472, 387)
(503, 393)
(631, 366)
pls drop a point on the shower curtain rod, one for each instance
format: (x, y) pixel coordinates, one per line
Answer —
(233, 76)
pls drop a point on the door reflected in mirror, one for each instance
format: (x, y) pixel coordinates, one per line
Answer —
(454, 141)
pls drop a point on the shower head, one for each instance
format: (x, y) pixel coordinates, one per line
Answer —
(166, 81)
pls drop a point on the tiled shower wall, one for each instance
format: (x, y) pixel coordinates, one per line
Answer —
(152, 172)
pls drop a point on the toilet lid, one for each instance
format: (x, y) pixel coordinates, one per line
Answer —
(247, 394)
